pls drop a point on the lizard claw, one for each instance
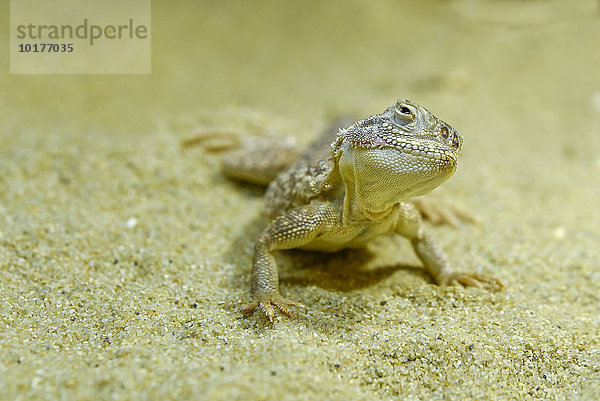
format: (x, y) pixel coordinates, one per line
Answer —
(266, 303)
(469, 280)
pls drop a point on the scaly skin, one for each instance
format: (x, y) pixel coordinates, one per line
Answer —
(361, 191)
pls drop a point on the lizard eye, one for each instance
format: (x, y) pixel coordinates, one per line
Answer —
(444, 131)
(403, 115)
(456, 141)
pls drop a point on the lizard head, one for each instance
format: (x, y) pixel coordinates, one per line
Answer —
(390, 157)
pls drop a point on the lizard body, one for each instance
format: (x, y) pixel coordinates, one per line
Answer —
(350, 187)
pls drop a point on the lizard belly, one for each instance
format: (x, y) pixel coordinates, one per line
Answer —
(351, 235)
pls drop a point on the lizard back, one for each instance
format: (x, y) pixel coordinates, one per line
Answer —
(305, 178)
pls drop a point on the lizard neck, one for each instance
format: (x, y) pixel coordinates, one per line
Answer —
(355, 207)
(365, 196)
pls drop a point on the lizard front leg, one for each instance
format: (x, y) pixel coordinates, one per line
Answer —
(434, 259)
(436, 262)
(294, 229)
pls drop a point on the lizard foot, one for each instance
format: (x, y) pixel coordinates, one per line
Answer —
(266, 303)
(437, 210)
(469, 280)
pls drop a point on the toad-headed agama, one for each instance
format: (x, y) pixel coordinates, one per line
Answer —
(347, 188)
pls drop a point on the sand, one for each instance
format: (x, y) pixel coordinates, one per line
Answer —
(125, 259)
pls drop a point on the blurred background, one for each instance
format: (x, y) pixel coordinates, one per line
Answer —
(523, 65)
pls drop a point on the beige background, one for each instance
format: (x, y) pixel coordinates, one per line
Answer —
(124, 260)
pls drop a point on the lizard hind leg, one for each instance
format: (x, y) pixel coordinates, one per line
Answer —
(256, 160)
(434, 207)
(260, 160)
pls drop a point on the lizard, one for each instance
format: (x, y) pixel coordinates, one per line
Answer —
(347, 188)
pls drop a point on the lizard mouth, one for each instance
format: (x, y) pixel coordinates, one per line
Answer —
(418, 147)
(421, 148)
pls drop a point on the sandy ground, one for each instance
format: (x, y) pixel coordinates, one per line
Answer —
(124, 259)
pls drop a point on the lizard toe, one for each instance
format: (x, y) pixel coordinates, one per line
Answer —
(249, 308)
(266, 303)
(470, 280)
